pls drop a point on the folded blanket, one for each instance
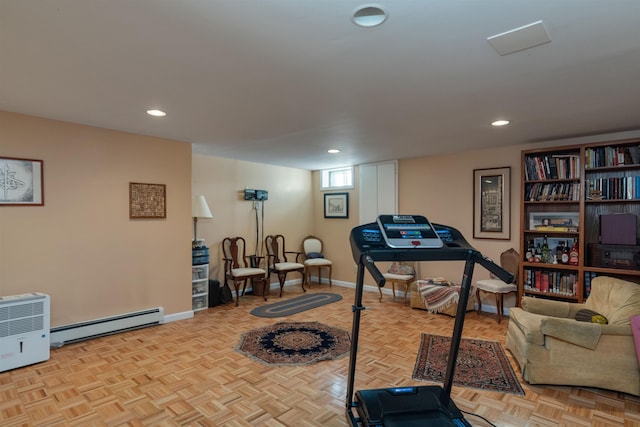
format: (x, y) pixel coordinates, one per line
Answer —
(438, 294)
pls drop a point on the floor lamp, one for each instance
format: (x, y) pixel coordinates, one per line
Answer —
(199, 209)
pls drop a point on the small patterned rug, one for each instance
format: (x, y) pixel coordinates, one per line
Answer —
(481, 364)
(295, 343)
(296, 305)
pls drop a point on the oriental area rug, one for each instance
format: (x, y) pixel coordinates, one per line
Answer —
(481, 364)
(295, 343)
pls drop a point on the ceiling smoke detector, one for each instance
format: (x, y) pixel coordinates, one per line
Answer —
(369, 15)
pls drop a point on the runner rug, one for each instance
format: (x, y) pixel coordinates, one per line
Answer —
(295, 343)
(295, 305)
(481, 364)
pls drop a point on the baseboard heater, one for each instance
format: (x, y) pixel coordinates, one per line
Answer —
(76, 332)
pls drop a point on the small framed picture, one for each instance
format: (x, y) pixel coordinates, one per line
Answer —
(492, 203)
(147, 200)
(336, 205)
(21, 182)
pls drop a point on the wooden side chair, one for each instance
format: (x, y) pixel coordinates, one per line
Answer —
(237, 267)
(314, 259)
(402, 273)
(510, 261)
(278, 263)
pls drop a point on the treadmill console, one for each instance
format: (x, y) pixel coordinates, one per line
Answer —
(408, 231)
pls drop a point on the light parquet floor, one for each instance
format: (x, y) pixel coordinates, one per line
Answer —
(187, 373)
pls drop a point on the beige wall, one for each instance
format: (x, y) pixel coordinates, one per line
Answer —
(288, 211)
(440, 188)
(81, 247)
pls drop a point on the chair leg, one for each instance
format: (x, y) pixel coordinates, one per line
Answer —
(237, 286)
(393, 289)
(406, 291)
(281, 278)
(380, 291)
(479, 301)
(499, 306)
(303, 280)
(330, 276)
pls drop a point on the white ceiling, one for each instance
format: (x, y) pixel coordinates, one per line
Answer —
(282, 81)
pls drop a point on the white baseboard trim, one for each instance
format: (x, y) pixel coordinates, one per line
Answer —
(174, 317)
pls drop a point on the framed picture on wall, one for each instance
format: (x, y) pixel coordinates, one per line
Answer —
(147, 200)
(336, 205)
(491, 203)
(21, 182)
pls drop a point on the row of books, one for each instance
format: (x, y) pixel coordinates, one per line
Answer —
(612, 156)
(544, 192)
(619, 188)
(558, 166)
(552, 282)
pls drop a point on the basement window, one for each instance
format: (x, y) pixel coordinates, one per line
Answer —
(339, 178)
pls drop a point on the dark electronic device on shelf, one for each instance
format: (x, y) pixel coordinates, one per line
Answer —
(626, 257)
(415, 405)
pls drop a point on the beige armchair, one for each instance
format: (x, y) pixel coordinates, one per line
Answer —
(552, 347)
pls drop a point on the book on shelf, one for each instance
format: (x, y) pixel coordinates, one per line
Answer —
(559, 229)
(551, 282)
(549, 192)
(613, 188)
(611, 156)
(555, 166)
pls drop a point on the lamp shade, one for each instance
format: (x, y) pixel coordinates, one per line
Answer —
(200, 209)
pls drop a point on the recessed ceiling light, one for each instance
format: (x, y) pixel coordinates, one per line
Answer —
(369, 15)
(500, 123)
(156, 113)
(333, 151)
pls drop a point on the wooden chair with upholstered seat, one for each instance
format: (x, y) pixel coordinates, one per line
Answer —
(238, 269)
(314, 258)
(402, 273)
(510, 261)
(278, 263)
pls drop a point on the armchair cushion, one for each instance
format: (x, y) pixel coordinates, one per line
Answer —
(615, 299)
(248, 271)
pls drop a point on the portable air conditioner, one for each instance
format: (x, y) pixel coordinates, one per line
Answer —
(24, 330)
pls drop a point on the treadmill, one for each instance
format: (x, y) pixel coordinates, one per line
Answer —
(410, 238)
